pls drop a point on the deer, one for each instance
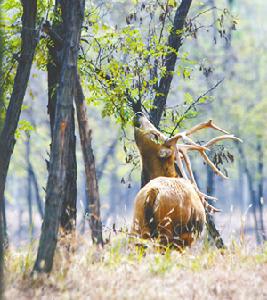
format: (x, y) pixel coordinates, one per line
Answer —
(170, 206)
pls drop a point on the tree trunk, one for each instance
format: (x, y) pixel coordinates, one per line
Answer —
(213, 232)
(28, 46)
(260, 188)
(2, 202)
(72, 15)
(37, 193)
(4, 225)
(69, 207)
(89, 163)
(240, 187)
(174, 42)
(86, 207)
(109, 153)
(29, 185)
(1, 254)
(210, 182)
(251, 192)
(210, 185)
(29, 40)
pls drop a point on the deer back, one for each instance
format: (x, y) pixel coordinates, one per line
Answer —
(170, 209)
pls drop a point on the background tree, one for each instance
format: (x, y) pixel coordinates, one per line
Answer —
(29, 39)
(72, 17)
(1, 207)
(54, 65)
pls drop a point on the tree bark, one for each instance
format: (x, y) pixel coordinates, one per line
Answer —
(28, 46)
(29, 192)
(175, 42)
(29, 39)
(72, 15)
(260, 188)
(91, 178)
(90, 169)
(69, 207)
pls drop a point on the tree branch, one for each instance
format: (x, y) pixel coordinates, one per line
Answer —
(193, 104)
(174, 42)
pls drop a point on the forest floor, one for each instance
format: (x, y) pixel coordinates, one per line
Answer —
(124, 271)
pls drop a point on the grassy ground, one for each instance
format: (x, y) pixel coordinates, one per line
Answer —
(123, 271)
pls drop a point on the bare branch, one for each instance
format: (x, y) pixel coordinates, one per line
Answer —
(193, 104)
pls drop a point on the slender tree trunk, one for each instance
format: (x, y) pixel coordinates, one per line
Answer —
(29, 185)
(240, 187)
(251, 192)
(109, 153)
(114, 195)
(213, 232)
(4, 226)
(86, 207)
(69, 207)
(260, 188)
(254, 206)
(210, 181)
(72, 16)
(37, 193)
(89, 163)
(210, 185)
(28, 46)
(7, 137)
(1, 255)
(2, 209)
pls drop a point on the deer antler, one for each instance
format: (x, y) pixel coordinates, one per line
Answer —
(182, 149)
(208, 124)
(220, 138)
(194, 129)
(202, 149)
(179, 163)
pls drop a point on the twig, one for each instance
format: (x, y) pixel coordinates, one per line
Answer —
(193, 104)
(203, 12)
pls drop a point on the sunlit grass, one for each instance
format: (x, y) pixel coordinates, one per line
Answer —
(123, 265)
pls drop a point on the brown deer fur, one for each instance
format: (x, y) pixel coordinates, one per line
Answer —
(170, 209)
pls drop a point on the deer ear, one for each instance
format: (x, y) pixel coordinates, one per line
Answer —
(171, 141)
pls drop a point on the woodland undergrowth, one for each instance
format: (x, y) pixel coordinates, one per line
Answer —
(127, 268)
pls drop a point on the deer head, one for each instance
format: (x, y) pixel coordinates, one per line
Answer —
(157, 156)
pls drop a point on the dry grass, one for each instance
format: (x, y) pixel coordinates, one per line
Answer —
(123, 271)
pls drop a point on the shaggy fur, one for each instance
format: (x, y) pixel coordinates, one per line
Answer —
(170, 209)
